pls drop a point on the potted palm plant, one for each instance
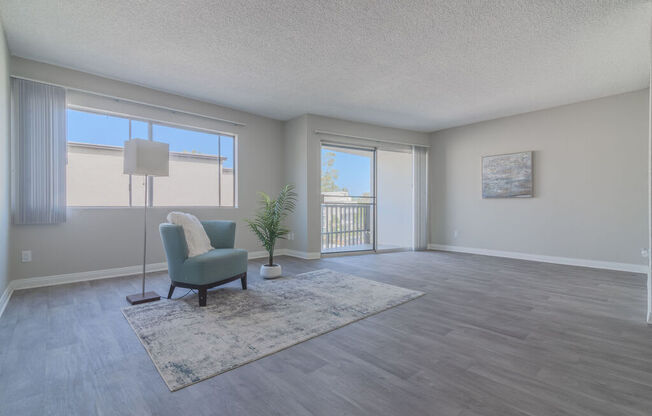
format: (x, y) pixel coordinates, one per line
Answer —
(268, 225)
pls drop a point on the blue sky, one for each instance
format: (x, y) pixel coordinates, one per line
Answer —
(354, 171)
(94, 128)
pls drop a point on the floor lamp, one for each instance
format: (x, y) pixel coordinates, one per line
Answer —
(147, 158)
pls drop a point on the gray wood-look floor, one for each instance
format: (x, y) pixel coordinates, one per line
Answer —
(491, 337)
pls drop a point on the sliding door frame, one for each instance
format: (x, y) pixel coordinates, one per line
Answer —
(374, 188)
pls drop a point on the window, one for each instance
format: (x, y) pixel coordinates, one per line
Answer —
(94, 173)
(199, 162)
(202, 164)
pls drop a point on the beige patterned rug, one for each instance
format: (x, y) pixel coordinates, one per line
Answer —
(189, 344)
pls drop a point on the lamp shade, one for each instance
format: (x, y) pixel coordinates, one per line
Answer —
(146, 157)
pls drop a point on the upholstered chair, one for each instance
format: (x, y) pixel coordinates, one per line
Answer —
(221, 265)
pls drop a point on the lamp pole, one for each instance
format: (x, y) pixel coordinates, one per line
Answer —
(149, 296)
(145, 234)
(146, 158)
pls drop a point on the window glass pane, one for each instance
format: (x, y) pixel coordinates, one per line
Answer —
(194, 168)
(95, 160)
(138, 190)
(347, 199)
(227, 173)
(139, 130)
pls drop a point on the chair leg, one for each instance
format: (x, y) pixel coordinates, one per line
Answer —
(202, 297)
(171, 291)
(243, 280)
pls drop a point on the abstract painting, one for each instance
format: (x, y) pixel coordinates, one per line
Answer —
(507, 176)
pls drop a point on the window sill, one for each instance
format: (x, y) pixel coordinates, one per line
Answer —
(171, 207)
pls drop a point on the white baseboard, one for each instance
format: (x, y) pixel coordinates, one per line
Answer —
(257, 254)
(62, 279)
(595, 264)
(301, 254)
(285, 252)
(6, 295)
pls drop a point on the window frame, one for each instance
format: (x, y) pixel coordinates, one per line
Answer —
(150, 192)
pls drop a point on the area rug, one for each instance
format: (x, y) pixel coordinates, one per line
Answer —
(189, 344)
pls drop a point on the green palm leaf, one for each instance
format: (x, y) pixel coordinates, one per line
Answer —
(267, 223)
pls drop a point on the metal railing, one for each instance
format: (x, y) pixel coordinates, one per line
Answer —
(346, 224)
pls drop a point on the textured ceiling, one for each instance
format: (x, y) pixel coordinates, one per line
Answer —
(422, 65)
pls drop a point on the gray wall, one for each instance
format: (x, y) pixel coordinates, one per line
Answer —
(295, 165)
(271, 153)
(590, 182)
(4, 163)
(103, 238)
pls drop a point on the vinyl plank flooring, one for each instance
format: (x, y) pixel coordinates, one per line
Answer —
(492, 336)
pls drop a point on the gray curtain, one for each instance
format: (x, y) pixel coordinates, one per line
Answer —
(420, 190)
(38, 147)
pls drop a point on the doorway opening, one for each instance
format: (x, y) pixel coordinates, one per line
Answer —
(366, 199)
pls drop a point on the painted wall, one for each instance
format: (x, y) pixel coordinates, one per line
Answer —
(103, 238)
(295, 167)
(5, 208)
(590, 187)
(270, 153)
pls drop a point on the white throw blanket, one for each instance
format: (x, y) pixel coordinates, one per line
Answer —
(196, 237)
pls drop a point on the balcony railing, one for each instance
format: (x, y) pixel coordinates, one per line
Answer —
(346, 225)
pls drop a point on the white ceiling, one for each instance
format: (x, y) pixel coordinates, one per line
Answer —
(416, 64)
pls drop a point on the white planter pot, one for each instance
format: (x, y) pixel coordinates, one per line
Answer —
(270, 272)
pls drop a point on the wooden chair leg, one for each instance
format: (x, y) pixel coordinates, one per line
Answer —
(202, 297)
(171, 291)
(243, 280)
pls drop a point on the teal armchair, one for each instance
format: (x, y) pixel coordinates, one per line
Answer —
(222, 265)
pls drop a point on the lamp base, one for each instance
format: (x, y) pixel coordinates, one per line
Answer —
(140, 298)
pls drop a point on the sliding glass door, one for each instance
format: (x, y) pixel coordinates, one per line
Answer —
(394, 199)
(367, 197)
(348, 198)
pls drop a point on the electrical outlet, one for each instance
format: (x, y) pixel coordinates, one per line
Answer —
(644, 252)
(26, 256)
(456, 233)
(291, 236)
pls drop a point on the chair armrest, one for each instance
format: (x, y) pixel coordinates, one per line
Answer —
(221, 233)
(176, 248)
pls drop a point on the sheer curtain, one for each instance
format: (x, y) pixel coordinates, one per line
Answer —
(420, 192)
(38, 144)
